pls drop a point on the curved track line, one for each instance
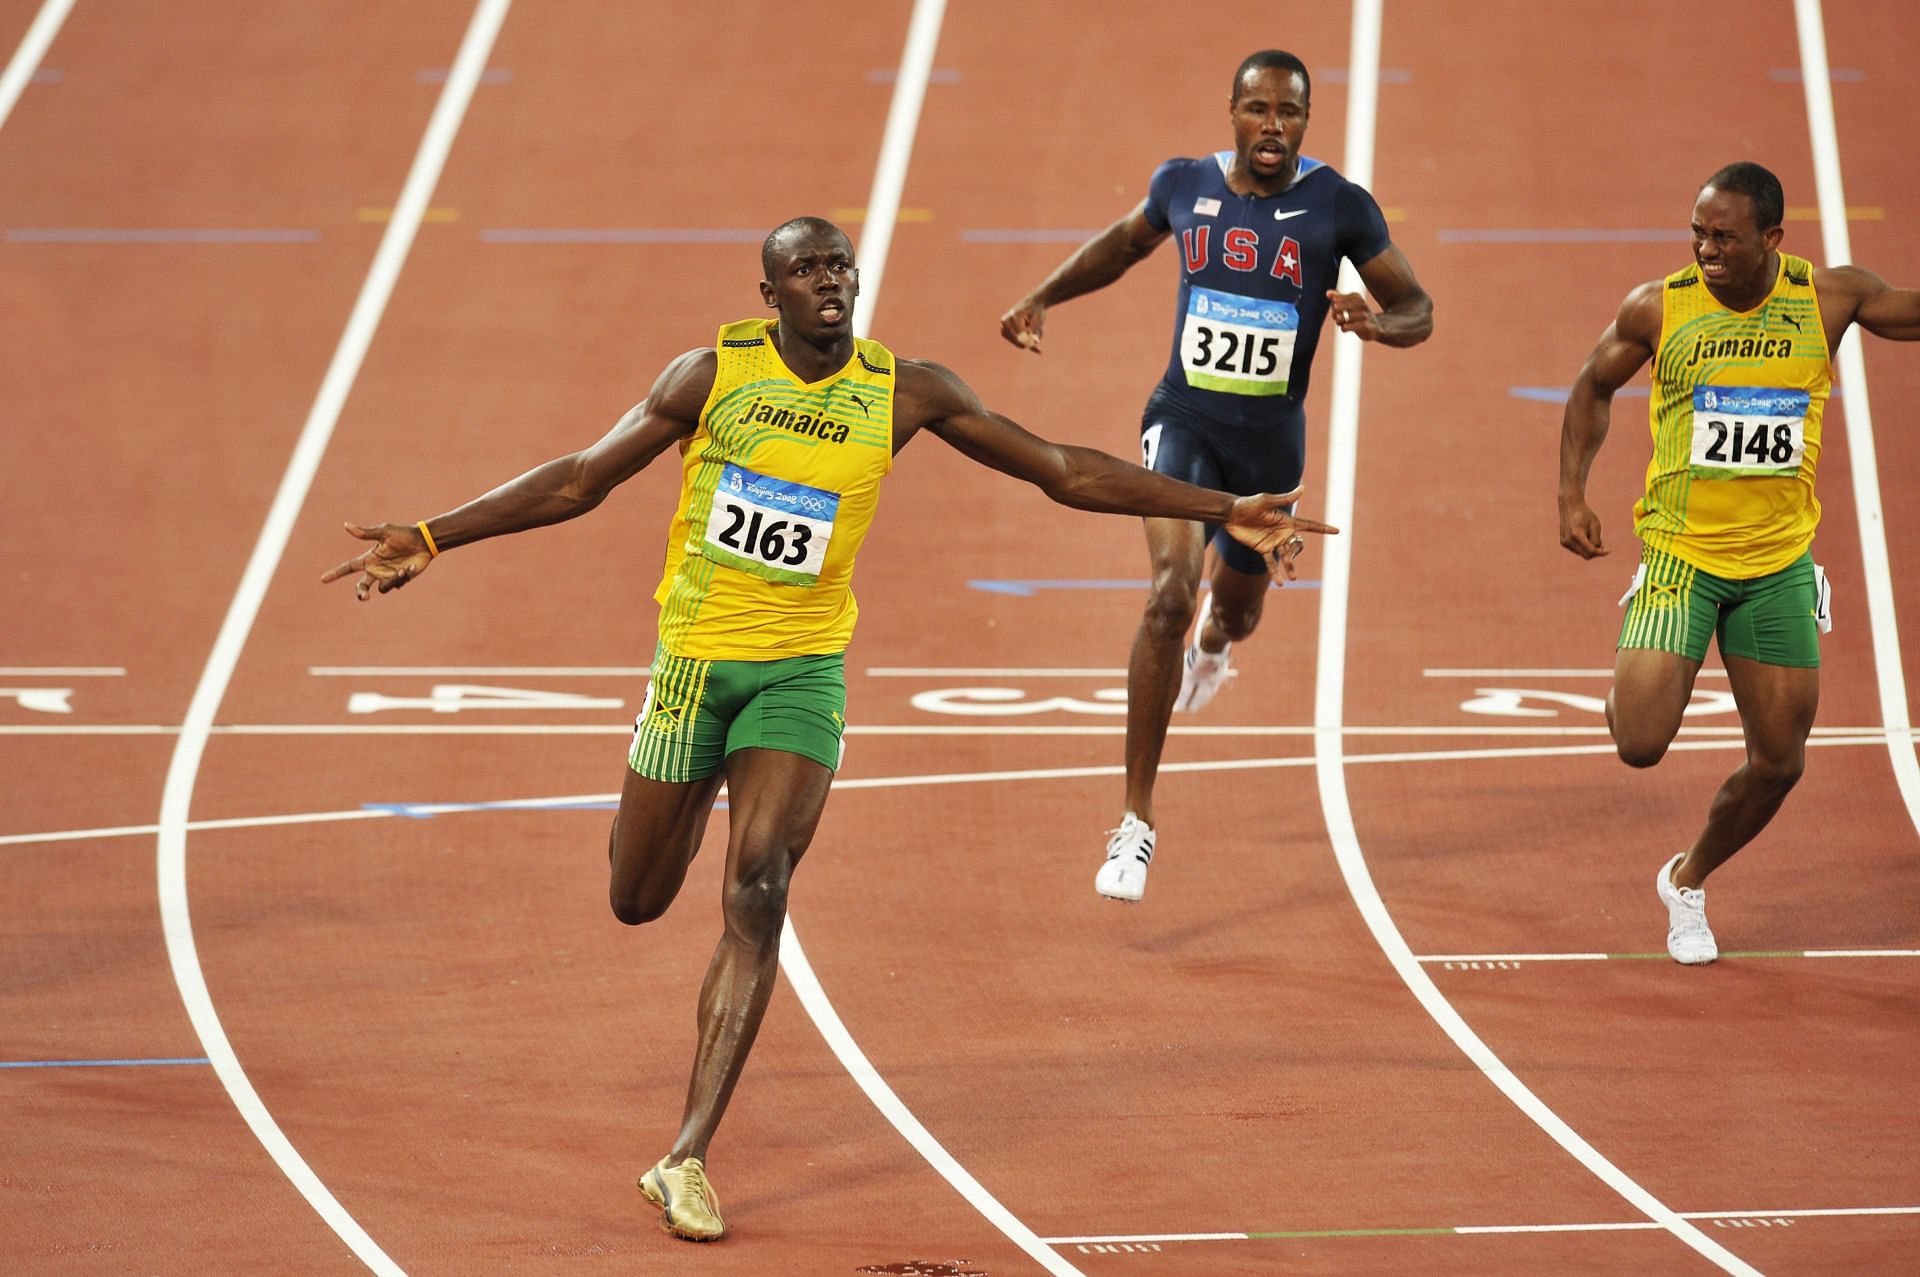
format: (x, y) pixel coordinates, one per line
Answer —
(182, 771)
(1329, 693)
(876, 238)
(1836, 243)
(33, 47)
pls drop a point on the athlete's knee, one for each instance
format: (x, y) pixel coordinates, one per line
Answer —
(635, 908)
(1236, 620)
(1171, 604)
(1635, 753)
(1778, 770)
(1636, 746)
(756, 903)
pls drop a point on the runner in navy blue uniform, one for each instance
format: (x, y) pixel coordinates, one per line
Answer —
(1261, 233)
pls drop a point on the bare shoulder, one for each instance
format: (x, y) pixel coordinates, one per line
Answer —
(1640, 314)
(683, 386)
(929, 391)
(1847, 281)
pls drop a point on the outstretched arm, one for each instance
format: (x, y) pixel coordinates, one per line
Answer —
(1094, 265)
(933, 398)
(1877, 306)
(564, 488)
(1627, 344)
(1406, 317)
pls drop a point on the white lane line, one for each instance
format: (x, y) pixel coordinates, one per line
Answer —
(1337, 1234)
(1329, 694)
(26, 59)
(1635, 957)
(1511, 957)
(1105, 771)
(978, 671)
(177, 798)
(479, 671)
(1550, 673)
(1836, 243)
(876, 238)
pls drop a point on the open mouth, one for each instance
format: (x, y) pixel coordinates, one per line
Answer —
(833, 310)
(1270, 153)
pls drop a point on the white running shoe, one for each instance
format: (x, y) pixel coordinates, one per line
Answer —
(1201, 677)
(1129, 852)
(1688, 938)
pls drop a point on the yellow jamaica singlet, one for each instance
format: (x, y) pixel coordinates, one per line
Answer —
(778, 485)
(1737, 402)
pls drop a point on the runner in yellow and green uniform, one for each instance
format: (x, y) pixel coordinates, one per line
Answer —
(1741, 346)
(786, 427)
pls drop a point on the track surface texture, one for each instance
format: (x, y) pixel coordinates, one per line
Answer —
(415, 971)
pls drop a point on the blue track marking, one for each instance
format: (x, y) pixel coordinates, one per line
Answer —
(1566, 235)
(100, 1064)
(1027, 589)
(621, 235)
(427, 811)
(1558, 394)
(1027, 235)
(159, 235)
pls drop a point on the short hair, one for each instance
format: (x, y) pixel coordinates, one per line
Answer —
(1272, 59)
(793, 226)
(1761, 188)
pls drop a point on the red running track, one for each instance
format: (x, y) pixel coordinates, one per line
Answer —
(476, 1060)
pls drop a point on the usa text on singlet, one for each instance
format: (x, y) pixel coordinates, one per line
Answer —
(778, 485)
(1737, 402)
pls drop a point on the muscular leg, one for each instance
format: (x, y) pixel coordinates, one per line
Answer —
(1177, 548)
(1649, 694)
(774, 804)
(655, 835)
(1777, 704)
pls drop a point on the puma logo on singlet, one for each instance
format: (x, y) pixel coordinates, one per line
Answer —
(863, 405)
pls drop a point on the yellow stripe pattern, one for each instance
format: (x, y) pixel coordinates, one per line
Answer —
(833, 435)
(1753, 525)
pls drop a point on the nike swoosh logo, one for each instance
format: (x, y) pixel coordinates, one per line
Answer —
(1281, 217)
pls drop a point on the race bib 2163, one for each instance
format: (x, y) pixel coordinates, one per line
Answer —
(772, 528)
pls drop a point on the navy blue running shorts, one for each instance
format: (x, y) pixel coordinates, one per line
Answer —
(1186, 446)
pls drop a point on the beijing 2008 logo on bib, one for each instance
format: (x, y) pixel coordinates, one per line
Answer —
(1712, 401)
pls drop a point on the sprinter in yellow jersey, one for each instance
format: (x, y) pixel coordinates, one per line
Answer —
(1741, 346)
(785, 428)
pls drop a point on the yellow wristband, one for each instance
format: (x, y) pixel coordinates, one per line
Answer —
(433, 551)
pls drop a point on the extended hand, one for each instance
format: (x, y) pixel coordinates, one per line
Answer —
(1580, 530)
(1262, 522)
(399, 555)
(1023, 323)
(1352, 313)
